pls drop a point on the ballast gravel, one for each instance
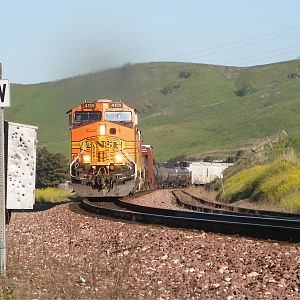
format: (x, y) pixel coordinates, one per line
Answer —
(157, 199)
(64, 253)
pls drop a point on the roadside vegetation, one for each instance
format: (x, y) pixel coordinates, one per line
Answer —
(52, 169)
(270, 175)
(9, 293)
(53, 195)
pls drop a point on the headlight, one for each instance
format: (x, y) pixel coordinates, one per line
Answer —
(119, 158)
(86, 158)
(102, 129)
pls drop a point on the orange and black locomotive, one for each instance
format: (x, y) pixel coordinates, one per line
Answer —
(107, 155)
(106, 149)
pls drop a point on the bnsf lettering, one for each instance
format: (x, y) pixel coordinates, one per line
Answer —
(110, 145)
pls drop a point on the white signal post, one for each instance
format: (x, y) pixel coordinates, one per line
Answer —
(4, 102)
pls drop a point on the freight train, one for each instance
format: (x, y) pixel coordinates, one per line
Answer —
(107, 155)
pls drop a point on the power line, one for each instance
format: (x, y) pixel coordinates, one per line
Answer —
(244, 46)
(262, 53)
(269, 57)
(231, 43)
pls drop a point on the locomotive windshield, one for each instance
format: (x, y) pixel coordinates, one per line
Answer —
(84, 117)
(118, 116)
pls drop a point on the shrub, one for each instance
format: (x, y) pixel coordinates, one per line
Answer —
(184, 74)
(247, 89)
(51, 169)
(244, 183)
(294, 75)
(170, 89)
(277, 182)
(52, 195)
(208, 158)
(215, 185)
(282, 179)
(291, 202)
(230, 159)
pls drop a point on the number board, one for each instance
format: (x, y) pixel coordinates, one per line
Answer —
(88, 105)
(116, 105)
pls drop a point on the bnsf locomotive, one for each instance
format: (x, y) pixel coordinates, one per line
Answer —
(108, 158)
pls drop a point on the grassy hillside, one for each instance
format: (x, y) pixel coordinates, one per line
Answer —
(185, 108)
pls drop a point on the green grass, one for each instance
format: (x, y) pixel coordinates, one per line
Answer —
(9, 293)
(276, 182)
(244, 183)
(52, 195)
(202, 115)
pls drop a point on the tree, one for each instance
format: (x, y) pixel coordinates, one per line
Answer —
(170, 89)
(208, 158)
(51, 169)
(184, 74)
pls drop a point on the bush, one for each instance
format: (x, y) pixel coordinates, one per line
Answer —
(52, 195)
(282, 179)
(291, 202)
(170, 89)
(294, 75)
(276, 182)
(243, 184)
(184, 74)
(215, 185)
(51, 169)
(247, 89)
(208, 158)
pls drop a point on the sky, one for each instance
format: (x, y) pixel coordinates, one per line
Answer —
(51, 40)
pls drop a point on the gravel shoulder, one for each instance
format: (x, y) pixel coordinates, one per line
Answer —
(61, 253)
(158, 199)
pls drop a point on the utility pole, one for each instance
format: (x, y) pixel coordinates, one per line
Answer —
(2, 190)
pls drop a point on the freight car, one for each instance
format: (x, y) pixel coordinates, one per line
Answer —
(108, 158)
(171, 177)
(163, 177)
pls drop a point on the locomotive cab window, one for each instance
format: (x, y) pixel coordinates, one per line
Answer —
(84, 117)
(123, 117)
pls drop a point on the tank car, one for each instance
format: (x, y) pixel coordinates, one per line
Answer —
(106, 149)
(171, 177)
(183, 177)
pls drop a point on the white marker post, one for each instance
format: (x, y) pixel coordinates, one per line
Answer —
(4, 102)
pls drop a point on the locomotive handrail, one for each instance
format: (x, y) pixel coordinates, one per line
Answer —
(74, 160)
(131, 160)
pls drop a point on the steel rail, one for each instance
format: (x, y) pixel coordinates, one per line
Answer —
(229, 216)
(257, 227)
(226, 207)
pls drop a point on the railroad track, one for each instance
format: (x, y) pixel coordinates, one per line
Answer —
(190, 201)
(263, 227)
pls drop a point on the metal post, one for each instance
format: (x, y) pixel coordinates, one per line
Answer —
(2, 192)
